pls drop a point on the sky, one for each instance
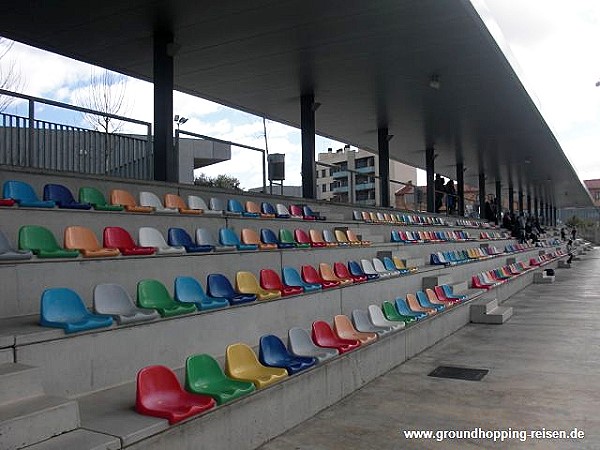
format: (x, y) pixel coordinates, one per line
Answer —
(553, 46)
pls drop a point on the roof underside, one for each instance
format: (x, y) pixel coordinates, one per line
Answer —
(369, 64)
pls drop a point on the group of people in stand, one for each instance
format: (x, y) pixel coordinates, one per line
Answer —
(526, 229)
(448, 191)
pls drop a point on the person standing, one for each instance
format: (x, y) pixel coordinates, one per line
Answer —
(574, 233)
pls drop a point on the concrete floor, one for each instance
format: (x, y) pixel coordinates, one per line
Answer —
(544, 368)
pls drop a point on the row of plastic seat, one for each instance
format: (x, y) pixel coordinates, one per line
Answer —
(469, 223)
(397, 218)
(419, 237)
(24, 195)
(494, 235)
(159, 393)
(116, 240)
(454, 257)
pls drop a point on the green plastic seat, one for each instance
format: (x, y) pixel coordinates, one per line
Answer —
(287, 237)
(42, 243)
(203, 375)
(153, 294)
(95, 198)
(391, 313)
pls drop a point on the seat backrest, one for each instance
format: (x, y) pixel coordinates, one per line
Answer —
(268, 236)
(153, 294)
(291, 277)
(202, 370)
(272, 350)
(355, 268)
(389, 264)
(117, 237)
(340, 236)
(188, 290)
(342, 325)
(150, 199)
(219, 286)
(341, 270)
(239, 358)
(310, 274)
(329, 237)
(282, 210)
(33, 237)
(228, 237)
(204, 237)
(178, 236)
(352, 237)
(286, 236)
(322, 334)
(327, 272)
(151, 237)
(402, 307)
(270, 280)
(122, 197)
(367, 266)
(112, 298)
(250, 236)
(295, 210)
(216, 204)
(252, 207)
(62, 304)
(308, 212)
(92, 196)
(196, 202)
(246, 282)
(19, 190)
(267, 208)
(174, 201)
(81, 238)
(316, 236)
(300, 341)
(153, 382)
(234, 206)
(398, 263)
(301, 236)
(378, 265)
(58, 193)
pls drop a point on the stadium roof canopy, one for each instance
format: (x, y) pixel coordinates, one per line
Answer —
(369, 64)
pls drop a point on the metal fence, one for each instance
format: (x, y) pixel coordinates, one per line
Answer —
(32, 142)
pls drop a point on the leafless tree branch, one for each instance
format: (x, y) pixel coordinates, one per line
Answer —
(11, 78)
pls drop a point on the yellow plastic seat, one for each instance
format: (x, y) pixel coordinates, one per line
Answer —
(374, 217)
(328, 274)
(246, 283)
(242, 364)
(250, 236)
(125, 199)
(176, 202)
(345, 330)
(401, 266)
(387, 218)
(342, 238)
(84, 240)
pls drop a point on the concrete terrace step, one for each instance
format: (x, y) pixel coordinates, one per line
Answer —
(79, 440)
(483, 306)
(496, 316)
(19, 382)
(36, 419)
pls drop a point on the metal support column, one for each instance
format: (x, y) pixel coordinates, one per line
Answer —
(165, 161)
(460, 188)
(384, 166)
(499, 201)
(482, 196)
(520, 203)
(511, 199)
(430, 168)
(529, 204)
(535, 208)
(307, 125)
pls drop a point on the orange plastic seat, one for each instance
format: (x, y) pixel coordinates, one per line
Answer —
(254, 208)
(414, 305)
(250, 236)
(433, 298)
(354, 240)
(342, 238)
(328, 274)
(316, 239)
(345, 330)
(246, 283)
(125, 199)
(84, 240)
(175, 201)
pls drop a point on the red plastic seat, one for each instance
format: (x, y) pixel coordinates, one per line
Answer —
(342, 271)
(159, 394)
(270, 280)
(310, 275)
(441, 295)
(302, 238)
(323, 336)
(117, 237)
(6, 202)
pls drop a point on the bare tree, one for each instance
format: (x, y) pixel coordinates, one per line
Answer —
(11, 78)
(106, 93)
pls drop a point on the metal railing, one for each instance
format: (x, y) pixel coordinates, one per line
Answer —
(33, 142)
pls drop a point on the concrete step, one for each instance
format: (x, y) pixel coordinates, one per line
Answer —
(437, 280)
(496, 316)
(36, 419)
(19, 382)
(460, 286)
(482, 307)
(79, 440)
(542, 278)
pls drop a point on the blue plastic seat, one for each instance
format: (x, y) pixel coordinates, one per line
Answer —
(219, 286)
(268, 208)
(425, 303)
(291, 277)
(63, 308)
(272, 352)
(396, 237)
(24, 195)
(308, 212)
(180, 237)
(63, 197)
(356, 270)
(434, 260)
(403, 309)
(389, 265)
(228, 237)
(235, 207)
(188, 290)
(268, 236)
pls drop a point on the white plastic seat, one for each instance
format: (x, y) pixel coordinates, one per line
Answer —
(382, 271)
(8, 253)
(282, 210)
(362, 323)
(113, 300)
(329, 237)
(379, 320)
(205, 237)
(195, 202)
(217, 205)
(151, 199)
(151, 237)
(300, 344)
(368, 268)
(356, 215)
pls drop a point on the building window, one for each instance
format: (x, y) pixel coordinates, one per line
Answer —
(323, 173)
(324, 187)
(331, 186)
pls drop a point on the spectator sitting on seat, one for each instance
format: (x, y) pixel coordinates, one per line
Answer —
(450, 197)
(506, 221)
(563, 234)
(439, 192)
(574, 233)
